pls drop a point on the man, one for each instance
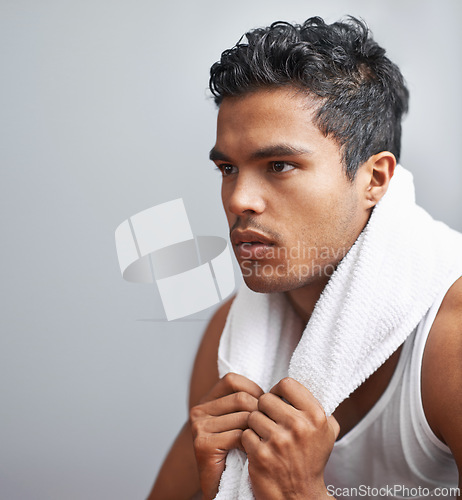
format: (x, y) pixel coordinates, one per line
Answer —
(308, 139)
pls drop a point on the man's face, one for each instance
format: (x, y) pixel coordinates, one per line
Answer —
(292, 212)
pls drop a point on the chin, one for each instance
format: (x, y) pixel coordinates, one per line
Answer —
(270, 284)
(262, 286)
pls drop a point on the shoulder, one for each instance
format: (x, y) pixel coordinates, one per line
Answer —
(442, 372)
(205, 370)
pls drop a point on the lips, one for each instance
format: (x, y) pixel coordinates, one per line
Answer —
(250, 245)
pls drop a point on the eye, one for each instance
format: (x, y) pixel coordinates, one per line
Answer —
(281, 166)
(227, 169)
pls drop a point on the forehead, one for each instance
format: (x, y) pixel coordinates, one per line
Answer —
(267, 116)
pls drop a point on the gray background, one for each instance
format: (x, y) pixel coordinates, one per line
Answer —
(104, 112)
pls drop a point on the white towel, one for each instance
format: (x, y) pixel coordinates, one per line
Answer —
(375, 298)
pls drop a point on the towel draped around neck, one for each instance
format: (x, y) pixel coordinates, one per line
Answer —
(375, 298)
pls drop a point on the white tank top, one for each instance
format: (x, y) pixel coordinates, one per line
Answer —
(393, 446)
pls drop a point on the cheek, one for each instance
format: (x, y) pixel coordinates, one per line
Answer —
(323, 217)
(312, 207)
(344, 220)
(224, 201)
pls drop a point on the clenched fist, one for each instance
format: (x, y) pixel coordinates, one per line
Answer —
(217, 424)
(288, 443)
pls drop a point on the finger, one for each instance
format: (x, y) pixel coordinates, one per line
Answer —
(239, 401)
(231, 383)
(224, 423)
(223, 441)
(250, 441)
(275, 408)
(296, 394)
(334, 425)
(263, 426)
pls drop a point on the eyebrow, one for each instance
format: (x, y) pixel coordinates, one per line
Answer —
(265, 152)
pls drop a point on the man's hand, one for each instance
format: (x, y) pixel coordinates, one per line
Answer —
(288, 445)
(217, 424)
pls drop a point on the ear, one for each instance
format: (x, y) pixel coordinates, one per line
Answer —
(377, 173)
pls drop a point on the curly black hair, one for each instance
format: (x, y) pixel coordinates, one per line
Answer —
(362, 94)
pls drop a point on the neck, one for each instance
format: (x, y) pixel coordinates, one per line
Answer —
(304, 299)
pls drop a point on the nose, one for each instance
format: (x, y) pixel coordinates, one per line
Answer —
(244, 195)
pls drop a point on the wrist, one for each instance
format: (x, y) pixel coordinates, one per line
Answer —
(319, 492)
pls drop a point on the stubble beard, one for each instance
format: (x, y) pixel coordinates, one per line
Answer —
(263, 277)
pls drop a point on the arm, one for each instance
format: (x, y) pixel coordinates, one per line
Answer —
(180, 461)
(219, 410)
(442, 374)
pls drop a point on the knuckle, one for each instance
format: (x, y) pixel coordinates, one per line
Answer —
(264, 400)
(196, 428)
(286, 382)
(262, 454)
(318, 418)
(243, 400)
(281, 440)
(231, 381)
(196, 421)
(299, 428)
(195, 413)
(201, 444)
